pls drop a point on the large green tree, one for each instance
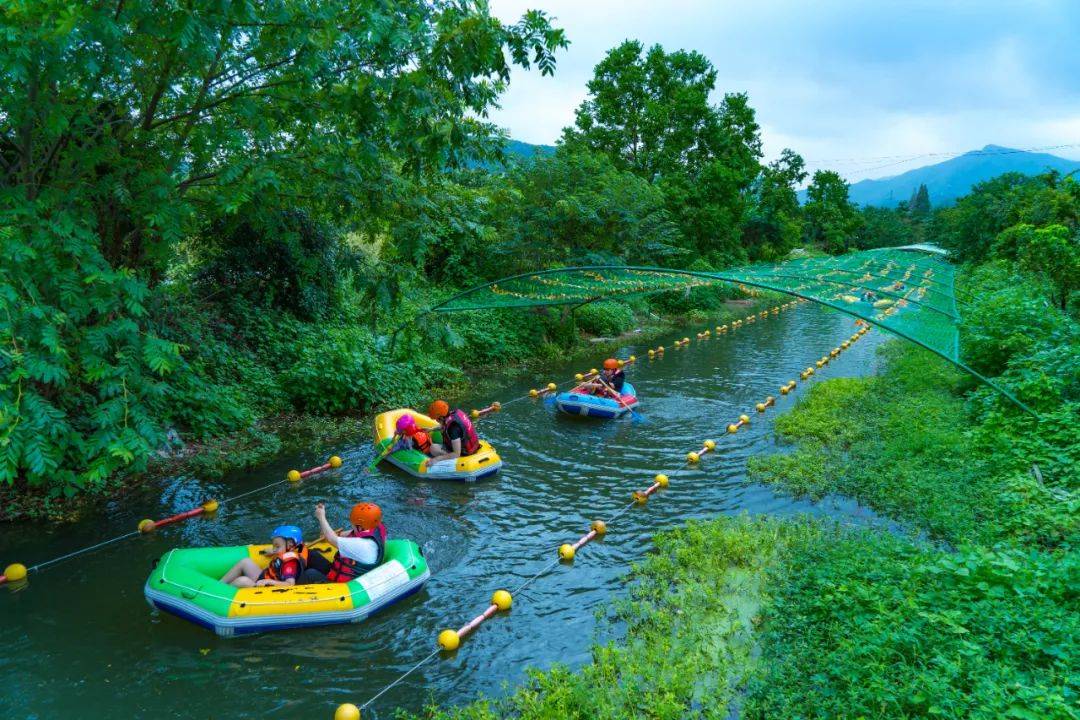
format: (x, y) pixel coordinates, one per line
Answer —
(577, 206)
(1054, 253)
(773, 224)
(126, 125)
(650, 112)
(831, 219)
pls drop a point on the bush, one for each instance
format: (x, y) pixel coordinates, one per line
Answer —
(870, 626)
(340, 373)
(1010, 319)
(281, 259)
(605, 318)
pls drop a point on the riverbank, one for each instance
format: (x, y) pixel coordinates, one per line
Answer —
(802, 618)
(292, 432)
(968, 612)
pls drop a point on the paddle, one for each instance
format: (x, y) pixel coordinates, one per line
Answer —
(615, 394)
(389, 447)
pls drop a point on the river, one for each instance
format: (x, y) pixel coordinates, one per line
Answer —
(80, 640)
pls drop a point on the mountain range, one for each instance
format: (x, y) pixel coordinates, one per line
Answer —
(948, 180)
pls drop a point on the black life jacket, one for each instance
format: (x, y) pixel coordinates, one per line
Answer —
(344, 569)
(470, 442)
(616, 381)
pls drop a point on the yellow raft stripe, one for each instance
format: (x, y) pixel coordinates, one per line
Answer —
(298, 599)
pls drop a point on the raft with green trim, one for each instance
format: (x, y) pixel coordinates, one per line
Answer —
(483, 463)
(185, 583)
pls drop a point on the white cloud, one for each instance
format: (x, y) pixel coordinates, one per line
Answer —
(836, 80)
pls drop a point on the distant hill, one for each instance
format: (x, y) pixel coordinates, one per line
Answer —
(526, 150)
(948, 180)
(514, 149)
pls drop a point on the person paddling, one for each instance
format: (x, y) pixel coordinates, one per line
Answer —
(459, 437)
(610, 378)
(287, 564)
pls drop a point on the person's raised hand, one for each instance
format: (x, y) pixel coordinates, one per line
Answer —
(320, 511)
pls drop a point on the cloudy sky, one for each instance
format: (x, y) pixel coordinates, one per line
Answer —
(854, 86)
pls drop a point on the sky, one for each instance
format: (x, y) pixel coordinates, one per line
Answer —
(858, 87)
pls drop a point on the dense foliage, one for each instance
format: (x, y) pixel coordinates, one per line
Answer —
(878, 627)
(217, 212)
(131, 127)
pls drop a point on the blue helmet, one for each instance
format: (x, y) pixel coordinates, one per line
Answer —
(289, 532)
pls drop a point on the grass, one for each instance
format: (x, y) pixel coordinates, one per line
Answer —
(804, 619)
(690, 619)
(904, 443)
(870, 625)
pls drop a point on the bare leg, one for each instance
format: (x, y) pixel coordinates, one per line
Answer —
(245, 569)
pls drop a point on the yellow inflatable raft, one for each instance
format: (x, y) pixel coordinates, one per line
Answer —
(485, 462)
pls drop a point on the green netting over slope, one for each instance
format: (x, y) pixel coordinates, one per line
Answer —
(908, 292)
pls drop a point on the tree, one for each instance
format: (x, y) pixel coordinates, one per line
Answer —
(1054, 253)
(575, 206)
(126, 126)
(919, 207)
(774, 223)
(971, 227)
(883, 227)
(831, 219)
(651, 115)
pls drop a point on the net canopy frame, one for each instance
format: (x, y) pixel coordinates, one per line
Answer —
(908, 292)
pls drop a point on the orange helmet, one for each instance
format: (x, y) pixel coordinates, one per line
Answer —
(438, 409)
(365, 515)
(611, 364)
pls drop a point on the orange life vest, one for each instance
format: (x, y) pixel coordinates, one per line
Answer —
(298, 553)
(422, 441)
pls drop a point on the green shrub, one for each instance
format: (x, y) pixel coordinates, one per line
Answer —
(605, 318)
(281, 259)
(693, 603)
(341, 373)
(1011, 318)
(871, 626)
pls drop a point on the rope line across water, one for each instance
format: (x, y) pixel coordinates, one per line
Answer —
(449, 640)
(18, 573)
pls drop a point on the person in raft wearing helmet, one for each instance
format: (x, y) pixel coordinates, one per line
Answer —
(359, 549)
(411, 436)
(458, 434)
(612, 376)
(287, 563)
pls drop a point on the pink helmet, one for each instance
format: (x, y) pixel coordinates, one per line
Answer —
(405, 422)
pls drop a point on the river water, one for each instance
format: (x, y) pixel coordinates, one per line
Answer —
(80, 641)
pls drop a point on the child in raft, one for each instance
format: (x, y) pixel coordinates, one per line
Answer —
(610, 378)
(412, 437)
(287, 565)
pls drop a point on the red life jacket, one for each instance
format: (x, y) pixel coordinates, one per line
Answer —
(470, 442)
(344, 569)
(298, 553)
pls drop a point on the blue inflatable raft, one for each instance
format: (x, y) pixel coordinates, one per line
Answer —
(599, 406)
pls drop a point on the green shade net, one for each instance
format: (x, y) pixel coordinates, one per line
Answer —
(908, 292)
